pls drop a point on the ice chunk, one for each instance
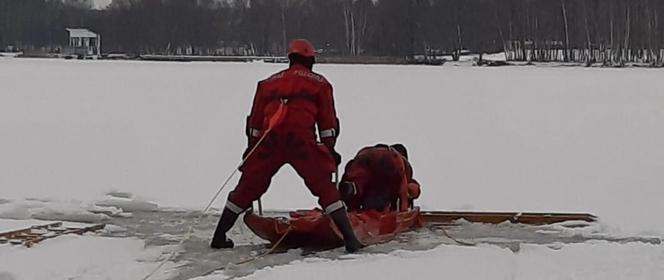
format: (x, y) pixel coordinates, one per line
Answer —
(107, 210)
(114, 229)
(60, 211)
(11, 224)
(128, 204)
(68, 213)
(170, 237)
(120, 194)
(83, 257)
(14, 211)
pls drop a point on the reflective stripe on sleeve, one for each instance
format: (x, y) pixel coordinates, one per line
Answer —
(334, 207)
(254, 132)
(234, 208)
(328, 133)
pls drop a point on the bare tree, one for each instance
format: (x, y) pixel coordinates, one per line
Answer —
(355, 22)
(284, 32)
(613, 32)
(567, 49)
(625, 49)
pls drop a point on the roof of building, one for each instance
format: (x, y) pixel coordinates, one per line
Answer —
(81, 33)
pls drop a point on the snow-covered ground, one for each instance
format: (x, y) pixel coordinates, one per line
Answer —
(80, 257)
(509, 138)
(579, 261)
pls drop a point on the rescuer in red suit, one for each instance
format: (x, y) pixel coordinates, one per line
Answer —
(379, 177)
(307, 100)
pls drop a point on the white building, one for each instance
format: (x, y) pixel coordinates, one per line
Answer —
(84, 42)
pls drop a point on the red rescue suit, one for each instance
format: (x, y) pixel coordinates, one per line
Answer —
(379, 178)
(309, 101)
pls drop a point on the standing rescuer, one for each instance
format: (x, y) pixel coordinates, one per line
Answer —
(302, 99)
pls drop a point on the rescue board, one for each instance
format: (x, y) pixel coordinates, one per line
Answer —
(529, 218)
(312, 229)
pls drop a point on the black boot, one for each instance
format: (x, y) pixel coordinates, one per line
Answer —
(219, 240)
(340, 218)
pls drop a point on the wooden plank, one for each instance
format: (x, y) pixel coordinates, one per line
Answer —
(35, 234)
(31, 242)
(8, 234)
(446, 217)
(88, 229)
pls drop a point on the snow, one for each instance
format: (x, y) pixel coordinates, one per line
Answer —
(30, 209)
(12, 225)
(515, 138)
(586, 261)
(81, 33)
(75, 211)
(101, 4)
(495, 56)
(128, 204)
(9, 54)
(146, 135)
(467, 58)
(80, 257)
(7, 225)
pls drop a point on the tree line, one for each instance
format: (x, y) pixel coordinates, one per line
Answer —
(607, 31)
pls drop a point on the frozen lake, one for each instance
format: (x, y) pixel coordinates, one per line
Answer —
(514, 138)
(504, 139)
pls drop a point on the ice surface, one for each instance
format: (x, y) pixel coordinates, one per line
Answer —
(507, 138)
(53, 210)
(503, 139)
(580, 261)
(7, 225)
(13, 211)
(80, 257)
(162, 229)
(75, 211)
(127, 204)
(195, 258)
(67, 213)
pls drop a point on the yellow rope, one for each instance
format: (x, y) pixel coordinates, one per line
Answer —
(454, 239)
(274, 247)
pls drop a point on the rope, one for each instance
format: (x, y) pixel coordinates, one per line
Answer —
(270, 251)
(274, 121)
(274, 247)
(442, 229)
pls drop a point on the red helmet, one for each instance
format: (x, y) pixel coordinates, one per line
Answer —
(302, 47)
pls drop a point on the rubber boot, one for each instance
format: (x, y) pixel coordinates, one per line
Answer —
(219, 240)
(340, 218)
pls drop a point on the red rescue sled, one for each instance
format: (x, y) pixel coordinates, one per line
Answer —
(313, 229)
